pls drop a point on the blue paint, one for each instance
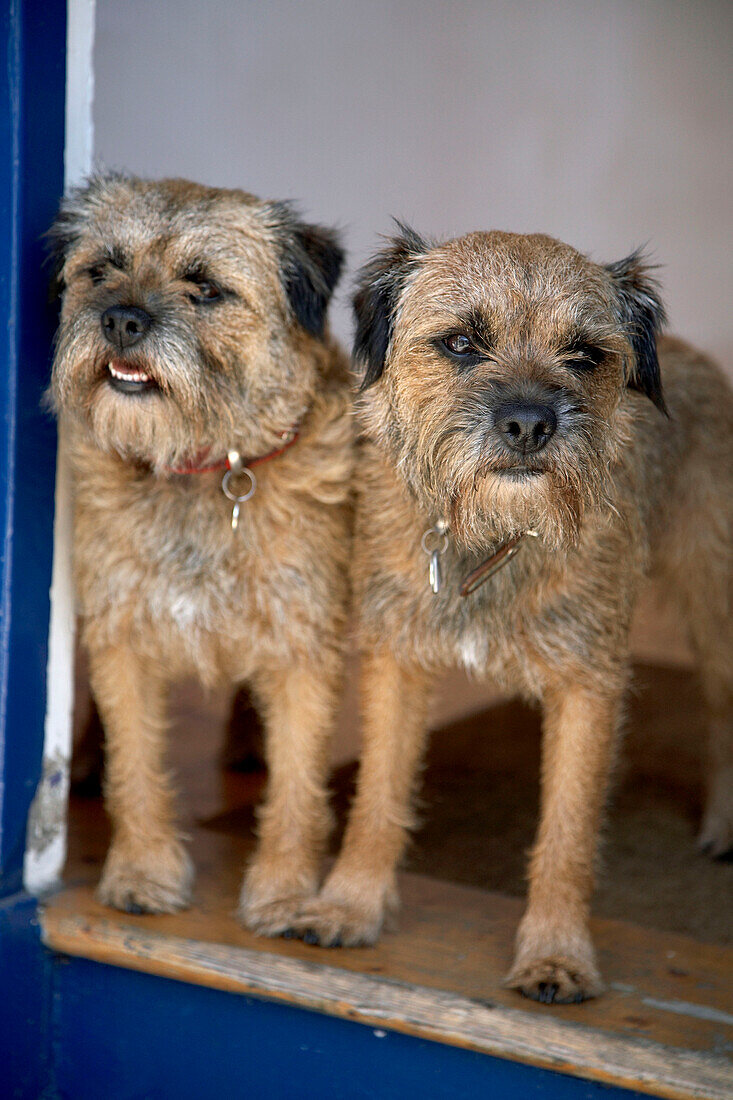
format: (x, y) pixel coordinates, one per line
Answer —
(25, 1004)
(123, 1035)
(32, 94)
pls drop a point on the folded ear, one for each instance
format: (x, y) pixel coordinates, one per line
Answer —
(379, 285)
(311, 259)
(60, 239)
(70, 222)
(642, 315)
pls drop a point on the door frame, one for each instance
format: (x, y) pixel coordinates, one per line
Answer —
(32, 130)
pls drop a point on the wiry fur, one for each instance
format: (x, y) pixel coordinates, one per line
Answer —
(450, 469)
(620, 490)
(165, 586)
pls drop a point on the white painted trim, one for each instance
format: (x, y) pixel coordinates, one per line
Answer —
(79, 149)
(46, 840)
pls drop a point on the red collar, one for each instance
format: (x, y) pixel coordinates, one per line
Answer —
(196, 466)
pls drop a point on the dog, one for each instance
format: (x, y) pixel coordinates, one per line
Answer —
(207, 414)
(525, 462)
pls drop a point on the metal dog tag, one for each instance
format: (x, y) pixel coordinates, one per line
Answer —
(434, 572)
(434, 543)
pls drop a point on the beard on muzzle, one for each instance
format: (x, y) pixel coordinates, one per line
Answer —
(487, 508)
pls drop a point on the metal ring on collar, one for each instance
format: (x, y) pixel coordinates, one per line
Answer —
(440, 546)
(233, 496)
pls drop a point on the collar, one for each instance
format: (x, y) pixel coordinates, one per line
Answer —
(501, 557)
(234, 461)
(435, 543)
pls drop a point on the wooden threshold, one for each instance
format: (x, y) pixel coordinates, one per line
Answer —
(664, 1027)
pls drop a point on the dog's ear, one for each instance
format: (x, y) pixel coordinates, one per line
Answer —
(311, 259)
(69, 224)
(379, 285)
(642, 315)
(60, 238)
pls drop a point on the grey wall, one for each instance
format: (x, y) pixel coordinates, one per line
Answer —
(604, 122)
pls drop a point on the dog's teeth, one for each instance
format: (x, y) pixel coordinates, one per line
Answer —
(126, 376)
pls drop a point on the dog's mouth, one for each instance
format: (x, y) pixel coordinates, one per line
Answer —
(129, 378)
(520, 473)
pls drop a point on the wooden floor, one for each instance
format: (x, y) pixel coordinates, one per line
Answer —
(665, 1025)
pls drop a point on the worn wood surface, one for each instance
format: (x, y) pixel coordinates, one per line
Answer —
(479, 798)
(665, 1026)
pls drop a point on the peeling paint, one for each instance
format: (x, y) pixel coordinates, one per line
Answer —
(687, 1008)
(47, 814)
(45, 851)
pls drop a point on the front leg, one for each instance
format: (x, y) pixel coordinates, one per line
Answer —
(298, 704)
(555, 960)
(147, 869)
(361, 890)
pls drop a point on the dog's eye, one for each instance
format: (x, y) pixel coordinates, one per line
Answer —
(206, 291)
(96, 273)
(582, 357)
(459, 348)
(584, 363)
(458, 344)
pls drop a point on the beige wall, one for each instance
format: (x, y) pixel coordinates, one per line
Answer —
(604, 122)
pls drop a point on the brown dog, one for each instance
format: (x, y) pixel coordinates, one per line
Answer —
(515, 484)
(193, 367)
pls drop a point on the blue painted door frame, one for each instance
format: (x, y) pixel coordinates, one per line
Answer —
(32, 82)
(33, 78)
(68, 1027)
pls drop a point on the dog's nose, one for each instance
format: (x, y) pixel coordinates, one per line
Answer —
(125, 326)
(523, 427)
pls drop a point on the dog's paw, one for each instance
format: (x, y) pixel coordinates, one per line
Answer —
(272, 897)
(716, 831)
(346, 914)
(157, 880)
(271, 917)
(336, 924)
(716, 835)
(556, 979)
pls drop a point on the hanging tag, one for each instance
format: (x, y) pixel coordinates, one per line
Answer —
(434, 543)
(238, 498)
(434, 572)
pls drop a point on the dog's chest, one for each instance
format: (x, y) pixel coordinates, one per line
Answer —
(485, 630)
(526, 615)
(169, 553)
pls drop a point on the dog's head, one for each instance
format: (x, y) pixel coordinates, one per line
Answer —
(192, 318)
(493, 372)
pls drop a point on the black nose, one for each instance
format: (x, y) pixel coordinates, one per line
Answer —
(525, 428)
(125, 326)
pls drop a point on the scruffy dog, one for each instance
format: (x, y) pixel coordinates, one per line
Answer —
(522, 470)
(200, 392)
